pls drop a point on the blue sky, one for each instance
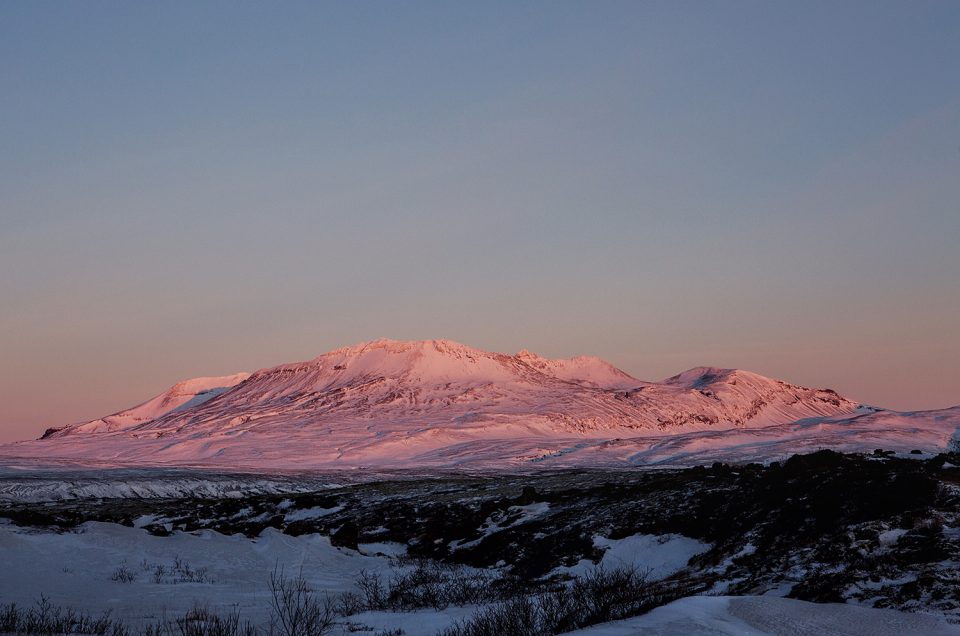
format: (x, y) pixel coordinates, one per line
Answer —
(200, 188)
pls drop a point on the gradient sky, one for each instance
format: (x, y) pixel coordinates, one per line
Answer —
(196, 189)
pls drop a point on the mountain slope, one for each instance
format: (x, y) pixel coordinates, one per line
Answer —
(182, 395)
(439, 403)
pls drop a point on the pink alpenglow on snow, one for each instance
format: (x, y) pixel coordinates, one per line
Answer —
(181, 395)
(440, 404)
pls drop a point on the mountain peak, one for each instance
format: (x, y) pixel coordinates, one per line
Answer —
(526, 354)
(701, 376)
(199, 385)
(389, 345)
(712, 377)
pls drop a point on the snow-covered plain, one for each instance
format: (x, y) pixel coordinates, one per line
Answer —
(77, 569)
(41, 481)
(438, 404)
(656, 556)
(769, 616)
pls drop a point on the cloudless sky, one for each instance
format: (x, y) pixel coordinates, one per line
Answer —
(194, 189)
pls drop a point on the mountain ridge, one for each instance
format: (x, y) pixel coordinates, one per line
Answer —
(399, 403)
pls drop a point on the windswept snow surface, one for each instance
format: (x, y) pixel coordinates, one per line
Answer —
(771, 616)
(439, 404)
(656, 556)
(76, 569)
(44, 483)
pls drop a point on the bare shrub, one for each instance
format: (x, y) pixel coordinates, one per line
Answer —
(422, 584)
(180, 571)
(371, 594)
(603, 595)
(123, 574)
(296, 610)
(45, 618)
(200, 621)
(183, 573)
(9, 618)
(154, 629)
(372, 590)
(599, 596)
(517, 617)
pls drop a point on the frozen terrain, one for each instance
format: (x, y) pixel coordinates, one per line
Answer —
(43, 482)
(442, 405)
(766, 616)
(231, 573)
(872, 539)
(77, 568)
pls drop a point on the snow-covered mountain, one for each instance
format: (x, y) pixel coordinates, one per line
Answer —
(437, 403)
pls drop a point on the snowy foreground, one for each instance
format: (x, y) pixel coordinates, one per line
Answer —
(762, 615)
(79, 569)
(873, 539)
